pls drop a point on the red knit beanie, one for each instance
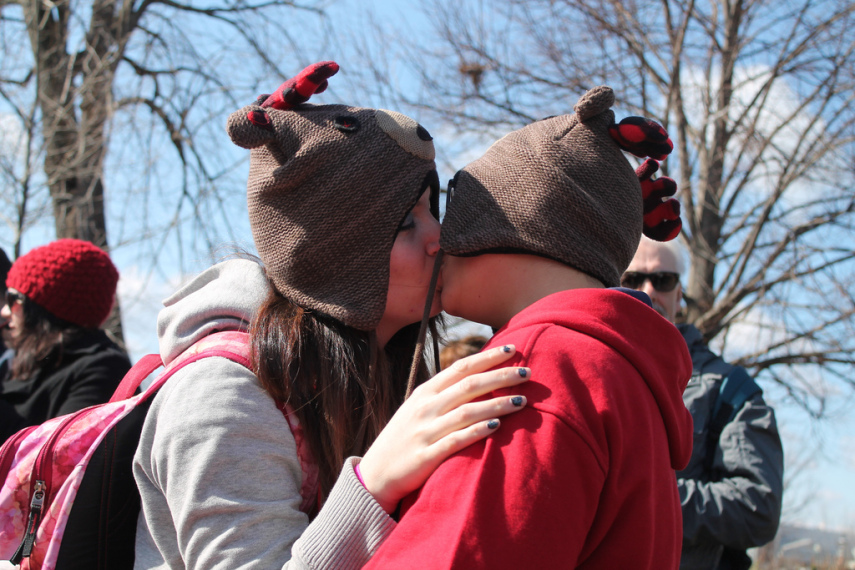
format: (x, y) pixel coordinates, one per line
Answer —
(70, 278)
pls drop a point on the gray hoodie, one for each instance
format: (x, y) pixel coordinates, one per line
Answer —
(217, 465)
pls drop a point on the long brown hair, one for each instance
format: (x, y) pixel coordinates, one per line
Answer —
(42, 341)
(342, 387)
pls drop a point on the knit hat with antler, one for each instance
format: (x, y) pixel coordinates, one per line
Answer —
(328, 187)
(561, 188)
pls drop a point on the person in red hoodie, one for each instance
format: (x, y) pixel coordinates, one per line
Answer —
(537, 231)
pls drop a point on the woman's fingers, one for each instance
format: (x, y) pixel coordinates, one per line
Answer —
(459, 437)
(476, 413)
(470, 365)
(477, 385)
(438, 420)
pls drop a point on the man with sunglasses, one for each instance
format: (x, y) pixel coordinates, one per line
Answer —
(732, 488)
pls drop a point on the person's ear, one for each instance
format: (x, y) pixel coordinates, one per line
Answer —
(680, 315)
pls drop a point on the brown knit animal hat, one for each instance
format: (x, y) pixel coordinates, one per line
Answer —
(328, 187)
(561, 188)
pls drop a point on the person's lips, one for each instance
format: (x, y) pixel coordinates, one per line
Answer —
(660, 309)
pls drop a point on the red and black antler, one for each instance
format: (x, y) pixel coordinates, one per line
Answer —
(642, 137)
(298, 89)
(291, 93)
(661, 212)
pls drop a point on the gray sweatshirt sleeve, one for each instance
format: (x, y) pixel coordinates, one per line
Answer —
(349, 529)
(220, 477)
(741, 509)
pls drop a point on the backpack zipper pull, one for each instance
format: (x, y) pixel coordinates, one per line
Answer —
(29, 540)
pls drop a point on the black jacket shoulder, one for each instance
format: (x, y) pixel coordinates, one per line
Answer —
(89, 372)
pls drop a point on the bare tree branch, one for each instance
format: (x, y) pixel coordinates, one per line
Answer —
(760, 102)
(144, 64)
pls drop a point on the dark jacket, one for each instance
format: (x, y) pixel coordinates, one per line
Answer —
(91, 369)
(735, 504)
(6, 355)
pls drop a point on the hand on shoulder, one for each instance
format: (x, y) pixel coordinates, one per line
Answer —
(438, 420)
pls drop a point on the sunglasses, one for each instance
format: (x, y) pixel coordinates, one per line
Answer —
(662, 281)
(13, 297)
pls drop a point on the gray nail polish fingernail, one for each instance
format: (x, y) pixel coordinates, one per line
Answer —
(517, 401)
(523, 372)
(493, 424)
(506, 349)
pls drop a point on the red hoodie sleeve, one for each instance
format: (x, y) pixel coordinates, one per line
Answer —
(511, 501)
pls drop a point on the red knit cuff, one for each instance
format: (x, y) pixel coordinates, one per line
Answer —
(359, 475)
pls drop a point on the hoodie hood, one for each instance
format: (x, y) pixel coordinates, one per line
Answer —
(223, 297)
(647, 340)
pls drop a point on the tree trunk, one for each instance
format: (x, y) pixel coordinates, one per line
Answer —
(706, 246)
(75, 141)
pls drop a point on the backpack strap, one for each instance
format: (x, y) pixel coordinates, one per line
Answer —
(135, 376)
(235, 346)
(737, 388)
(311, 488)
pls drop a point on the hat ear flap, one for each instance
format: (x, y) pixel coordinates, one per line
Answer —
(251, 127)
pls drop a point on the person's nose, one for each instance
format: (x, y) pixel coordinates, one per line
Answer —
(432, 239)
(6, 312)
(647, 287)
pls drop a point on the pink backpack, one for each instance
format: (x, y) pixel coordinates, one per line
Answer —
(69, 499)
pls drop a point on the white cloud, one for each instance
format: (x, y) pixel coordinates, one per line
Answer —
(457, 149)
(11, 138)
(141, 297)
(776, 116)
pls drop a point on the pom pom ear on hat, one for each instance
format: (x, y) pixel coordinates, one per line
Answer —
(251, 128)
(596, 101)
(72, 279)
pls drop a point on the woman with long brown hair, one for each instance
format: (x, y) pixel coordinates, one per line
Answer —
(343, 205)
(57, 296)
